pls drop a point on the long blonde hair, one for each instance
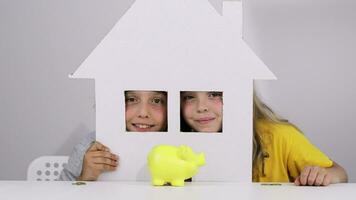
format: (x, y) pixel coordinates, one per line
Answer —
(261, 112)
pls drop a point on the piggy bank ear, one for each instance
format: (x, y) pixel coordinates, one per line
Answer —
(184, 152)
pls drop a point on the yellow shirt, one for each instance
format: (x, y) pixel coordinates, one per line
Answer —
(289, 151)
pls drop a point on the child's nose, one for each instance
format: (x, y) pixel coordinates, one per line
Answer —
(143, 112)
(202, 106)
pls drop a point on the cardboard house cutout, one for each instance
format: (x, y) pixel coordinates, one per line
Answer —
(173, 46)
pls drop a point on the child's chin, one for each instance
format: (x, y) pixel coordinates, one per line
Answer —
(208, 130)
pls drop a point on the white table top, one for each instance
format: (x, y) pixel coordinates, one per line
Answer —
(143, 190)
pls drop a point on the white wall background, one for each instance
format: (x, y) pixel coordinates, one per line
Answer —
(309, 45)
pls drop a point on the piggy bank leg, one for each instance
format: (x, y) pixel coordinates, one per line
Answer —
(178, 182)
(157, 181)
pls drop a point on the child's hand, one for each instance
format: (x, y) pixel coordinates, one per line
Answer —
(97, 160)
(313, 175)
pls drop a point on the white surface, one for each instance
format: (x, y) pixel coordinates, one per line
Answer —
(144, 191)
(173, 46)
(46, 168)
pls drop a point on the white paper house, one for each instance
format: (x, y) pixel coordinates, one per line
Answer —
(173, 46)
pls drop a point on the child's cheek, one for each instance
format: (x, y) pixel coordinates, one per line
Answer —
(130, 112)
(159, 110)
(217, 100)
(217, 105)
(188, 110)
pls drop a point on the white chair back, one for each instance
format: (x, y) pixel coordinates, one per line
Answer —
(46, 168)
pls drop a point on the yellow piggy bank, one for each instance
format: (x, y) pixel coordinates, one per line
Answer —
(171, 164)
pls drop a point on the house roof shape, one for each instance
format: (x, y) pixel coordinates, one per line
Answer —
(175, 40)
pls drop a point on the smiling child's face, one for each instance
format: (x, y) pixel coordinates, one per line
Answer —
(146, 111)
(202, 111)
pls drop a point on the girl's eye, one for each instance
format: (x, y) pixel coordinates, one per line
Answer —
(188, 98)
(215, 95)
(157, 101)
(131, 100)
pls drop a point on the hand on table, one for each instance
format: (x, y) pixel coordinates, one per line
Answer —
(314, 176)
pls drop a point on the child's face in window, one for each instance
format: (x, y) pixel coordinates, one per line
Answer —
(202, 111)
(146, 111)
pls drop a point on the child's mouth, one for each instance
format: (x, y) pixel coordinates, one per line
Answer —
(205, 120)
(142, 127)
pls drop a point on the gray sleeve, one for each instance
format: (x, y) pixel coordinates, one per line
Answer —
(72, 170)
